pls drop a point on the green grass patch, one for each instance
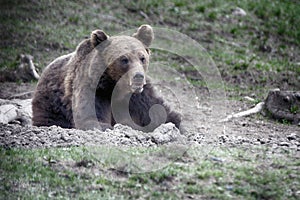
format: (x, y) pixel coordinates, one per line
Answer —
(235, 43)
(81, 172)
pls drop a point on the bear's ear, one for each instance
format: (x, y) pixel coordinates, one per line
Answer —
(144, 34)
(98, 36)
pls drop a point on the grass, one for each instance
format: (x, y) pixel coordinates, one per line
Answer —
(79, 172)
(265, 41)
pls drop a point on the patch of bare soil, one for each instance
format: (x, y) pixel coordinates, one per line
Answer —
(198, 122)
(12, 90)
(237, 133)
(15, 135)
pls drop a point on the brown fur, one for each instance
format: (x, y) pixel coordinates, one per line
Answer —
(76, 90)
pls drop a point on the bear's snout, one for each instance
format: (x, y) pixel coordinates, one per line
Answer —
(139, 77)
(137, 82)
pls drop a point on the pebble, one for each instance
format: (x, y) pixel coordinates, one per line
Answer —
(64, 136)
(217, 159)
(293, 147)
(7, 132)
(292, 136)
(262, 141)
(284, 144)
(239, 12)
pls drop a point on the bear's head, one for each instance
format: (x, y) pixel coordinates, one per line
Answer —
(126, 57)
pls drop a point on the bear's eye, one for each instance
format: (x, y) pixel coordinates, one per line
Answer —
(143, 60)
(124, 61)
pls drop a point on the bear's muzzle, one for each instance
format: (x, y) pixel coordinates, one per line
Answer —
(137, 83)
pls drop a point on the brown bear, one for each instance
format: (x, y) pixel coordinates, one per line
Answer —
(100, 84)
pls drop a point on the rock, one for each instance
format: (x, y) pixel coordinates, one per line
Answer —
(293, 147)
(217, 159)
(223, 138)
(65, 136)
(8, 113)
(165, 133)
(292, 136)
(284, 144)
(17, 109)
(239, 12)
(249, 99)
(262, 141)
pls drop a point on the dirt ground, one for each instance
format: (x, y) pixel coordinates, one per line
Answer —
(201, 115)
(201, 127)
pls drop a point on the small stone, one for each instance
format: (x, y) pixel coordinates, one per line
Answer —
(229, 187)
(262, 142)
(8, 133)
(292, 136)
(293, 147)
(274, 146)
(216, 159)
(64, 137)
(239, 12)
(284, 144)
(256, 143)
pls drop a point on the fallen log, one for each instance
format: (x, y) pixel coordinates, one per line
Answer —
(279, 105)
(283, 106)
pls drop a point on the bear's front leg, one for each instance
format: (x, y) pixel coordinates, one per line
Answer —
(148, 111)
(86, 110)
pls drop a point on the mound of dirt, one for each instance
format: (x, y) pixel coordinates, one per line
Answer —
(198, 119)
(15, 135)
(237, 133)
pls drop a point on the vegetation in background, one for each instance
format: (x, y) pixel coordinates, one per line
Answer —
(255, 52)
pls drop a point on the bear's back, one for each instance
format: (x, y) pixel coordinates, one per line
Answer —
(47, 105)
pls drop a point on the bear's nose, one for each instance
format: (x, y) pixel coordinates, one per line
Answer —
(138, 76)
